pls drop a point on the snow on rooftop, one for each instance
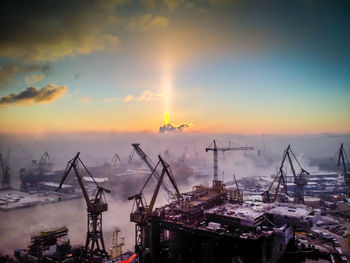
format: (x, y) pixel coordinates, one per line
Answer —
(53, 184)
(97, 180)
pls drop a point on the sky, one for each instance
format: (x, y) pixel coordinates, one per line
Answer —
(220, 66)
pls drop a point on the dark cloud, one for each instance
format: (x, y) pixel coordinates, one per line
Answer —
(48, 30)
(33, 95)
(6, 73)
(10, 70)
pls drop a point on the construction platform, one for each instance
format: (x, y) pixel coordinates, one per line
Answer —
(212, 224)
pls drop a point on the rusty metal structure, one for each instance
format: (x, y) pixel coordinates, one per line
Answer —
(50, 246)
(95, 207)
(207, 224)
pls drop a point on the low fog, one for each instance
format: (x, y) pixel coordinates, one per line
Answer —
(17, 226)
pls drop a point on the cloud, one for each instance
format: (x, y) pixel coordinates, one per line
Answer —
(47, 31)
(148, 3)
(85, 99)
(7, 72)
(108, 100)
(173, 128)
(128, 98)
(10, 70)
(147, 22)
(32, 95)
(146, 95)
(217, 2)
(34, 79)
(173, 4)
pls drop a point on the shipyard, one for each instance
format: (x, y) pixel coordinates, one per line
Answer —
(218, 221)
(174, 131)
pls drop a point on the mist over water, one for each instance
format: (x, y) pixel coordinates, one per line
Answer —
(17, 226)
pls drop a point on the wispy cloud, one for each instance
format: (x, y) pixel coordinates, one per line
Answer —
(33, 79)
(146, 95)
(32, 95)
(147, 22)
(128, 98)
(85, 99)
(9, 71)
(108, 100)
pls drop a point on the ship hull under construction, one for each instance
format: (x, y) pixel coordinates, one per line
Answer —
(170, 243)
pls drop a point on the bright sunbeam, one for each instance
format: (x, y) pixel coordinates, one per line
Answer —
(167, 82)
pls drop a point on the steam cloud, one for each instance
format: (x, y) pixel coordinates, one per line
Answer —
(33, 95)
(173, 128)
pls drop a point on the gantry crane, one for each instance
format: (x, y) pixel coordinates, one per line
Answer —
(95, 207)
(45, 164)
(6, 178)
(45, 159)
(142, 212)
(215, 150)
(169, 195)
(115, 160)
(344, 159)
(299, 180)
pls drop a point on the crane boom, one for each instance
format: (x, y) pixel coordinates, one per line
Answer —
(215, 150)
(144, 157)
(72, 164)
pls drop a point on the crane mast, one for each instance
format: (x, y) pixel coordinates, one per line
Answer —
(299, 180)
(143, 212)
(215, 150)
(95, 207)
(6, 178)
(343, 159)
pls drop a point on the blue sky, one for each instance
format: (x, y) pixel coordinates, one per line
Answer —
(223, 66)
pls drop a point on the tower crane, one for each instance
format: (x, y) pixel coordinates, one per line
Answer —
(299, 180)
(215, 150)
(169, 195)
(95, 207)
(344, 159)
(142, 213)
